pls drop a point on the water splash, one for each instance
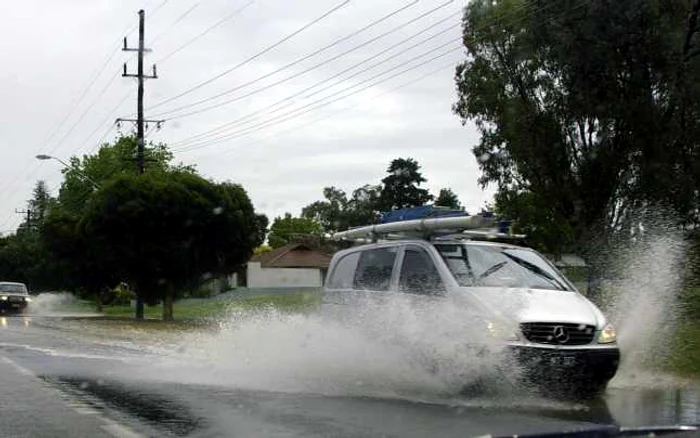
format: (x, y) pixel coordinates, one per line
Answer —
(642, 302)
(51, 303)
(393, 349)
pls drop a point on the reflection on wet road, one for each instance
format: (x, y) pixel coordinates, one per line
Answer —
(117, 381)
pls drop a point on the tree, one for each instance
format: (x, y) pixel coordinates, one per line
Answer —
(338, 213)
(164, 229)
(285, 230)
(261, 224)
(84, 175)
(41, 203)
(448, 198)
(587, 119)
(400, 189)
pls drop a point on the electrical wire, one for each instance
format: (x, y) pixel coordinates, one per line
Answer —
(175, 23)
(252, 58)
(288, 99)
(310, 107)
(205, 32)
(342, 110)
(297, 61)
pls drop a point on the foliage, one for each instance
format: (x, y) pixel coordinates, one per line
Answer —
(338, 212)
(586, 120)
(261, 224)
(400, 189)
(84, 175)
(285, 229)
(448, 198)
(163, 230)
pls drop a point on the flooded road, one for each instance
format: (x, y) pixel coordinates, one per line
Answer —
(153, 393)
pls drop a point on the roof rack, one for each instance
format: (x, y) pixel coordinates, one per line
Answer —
(483, 226)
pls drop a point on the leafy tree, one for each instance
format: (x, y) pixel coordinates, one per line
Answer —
(84, 175)
(164, 229)
(588, 119)
(285, 229)
(338, 213)
(400, 189)
(261, 224)
(41, 203)
(448, 198)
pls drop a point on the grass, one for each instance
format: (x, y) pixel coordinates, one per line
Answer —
(685, 357)
(208, 309)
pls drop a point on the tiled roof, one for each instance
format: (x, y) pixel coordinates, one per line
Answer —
(294, 255)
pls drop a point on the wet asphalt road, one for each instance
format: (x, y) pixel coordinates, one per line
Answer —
(59, 384)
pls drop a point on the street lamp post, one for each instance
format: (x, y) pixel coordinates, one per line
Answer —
(44, 157)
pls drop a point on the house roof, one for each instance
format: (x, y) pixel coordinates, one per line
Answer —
(294, 255)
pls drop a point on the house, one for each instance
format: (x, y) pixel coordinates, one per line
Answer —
(291, 266)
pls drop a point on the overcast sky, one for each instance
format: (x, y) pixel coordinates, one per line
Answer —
(337, 117)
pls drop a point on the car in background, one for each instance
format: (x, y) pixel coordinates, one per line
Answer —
(14, 297)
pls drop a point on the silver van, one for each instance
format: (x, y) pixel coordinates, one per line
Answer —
(555, 334)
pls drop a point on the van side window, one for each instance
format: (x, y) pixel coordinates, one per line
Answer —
(344, 272)
(374, 269)
(419, 275)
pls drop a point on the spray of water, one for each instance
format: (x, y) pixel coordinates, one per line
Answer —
(51, 303)
(641, 299)
(395, 348)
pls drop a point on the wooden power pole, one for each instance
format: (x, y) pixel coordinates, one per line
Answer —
(140, 121)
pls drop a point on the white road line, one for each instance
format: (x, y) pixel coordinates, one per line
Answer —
(118, 431)
(113, 428)
(20, 369)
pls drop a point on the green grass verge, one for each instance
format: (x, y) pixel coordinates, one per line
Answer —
(215, 309)
(685, 354)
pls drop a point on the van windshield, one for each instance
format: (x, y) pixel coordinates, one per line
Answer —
(13, 288)
(495, 266)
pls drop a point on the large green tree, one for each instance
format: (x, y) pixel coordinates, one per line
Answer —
(86, 174)
(164, 229)
(338, 212)
(287, 229)
(448, 198)
(401, 188)
(588, 119)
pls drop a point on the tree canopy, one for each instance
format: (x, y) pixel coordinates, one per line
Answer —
(163, 230)
(448, 198)
(285, 229)
(588, 119)
(401, 187)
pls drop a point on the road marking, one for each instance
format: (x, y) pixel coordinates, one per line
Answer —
(20, 369)
(118, 431)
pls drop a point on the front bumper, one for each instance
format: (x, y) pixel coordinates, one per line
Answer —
(592, 365)
(13, 303)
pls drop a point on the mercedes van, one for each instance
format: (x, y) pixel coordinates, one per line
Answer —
(556, 335)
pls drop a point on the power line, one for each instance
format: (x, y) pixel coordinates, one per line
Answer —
(352, 67)
(310, 107)
(221, 128)
(206, 31)
(177, 20)
(299, 60)
(342, 110)
(257, 55)
(309, 69)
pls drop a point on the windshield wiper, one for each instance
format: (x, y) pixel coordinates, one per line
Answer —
(537, 270)
(491, 270)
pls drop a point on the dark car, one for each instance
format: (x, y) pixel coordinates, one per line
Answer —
(14, 297)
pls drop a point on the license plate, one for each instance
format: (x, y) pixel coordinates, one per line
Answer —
(562, 361)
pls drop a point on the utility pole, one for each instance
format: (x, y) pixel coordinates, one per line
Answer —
(140, 121)
(29, 213)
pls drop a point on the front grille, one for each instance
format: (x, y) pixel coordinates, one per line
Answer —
(558, 333)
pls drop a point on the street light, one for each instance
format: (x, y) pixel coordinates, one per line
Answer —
(44, 157)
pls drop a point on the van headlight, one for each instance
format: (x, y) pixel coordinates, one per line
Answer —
(501, 331)
(607, 335)
(28, 299)
(3, 298)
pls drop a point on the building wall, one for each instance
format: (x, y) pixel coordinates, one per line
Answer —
(259, 277)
